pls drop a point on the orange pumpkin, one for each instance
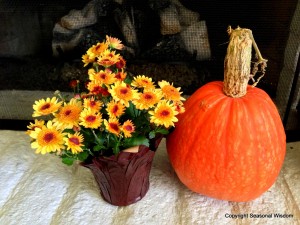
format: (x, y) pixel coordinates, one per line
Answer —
(229, 146)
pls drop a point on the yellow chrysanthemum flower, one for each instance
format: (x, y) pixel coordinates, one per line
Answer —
(32, 126)
(91, 103)
(113, 126)
(147, 99)
(121, 63)
(121, 92)
(94, 88)
(114, 43)
(170, 92)
(108, 58)
(179, 107)
(68, 115)
(45, 107)
(103, 77)
(121, 75)
(141, 81)
(97, 50)
(90, 119)
(87, 60)
(47, 139)
(91, 73)
(115, 109)
(164, 114)
(128, 128)
(74, 142)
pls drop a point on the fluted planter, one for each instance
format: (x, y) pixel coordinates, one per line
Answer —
(123, 179)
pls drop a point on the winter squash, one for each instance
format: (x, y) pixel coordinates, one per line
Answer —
(230, 142)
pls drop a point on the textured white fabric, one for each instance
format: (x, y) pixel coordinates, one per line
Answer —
(40, 190)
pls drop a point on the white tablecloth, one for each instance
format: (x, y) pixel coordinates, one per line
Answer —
(40, 190)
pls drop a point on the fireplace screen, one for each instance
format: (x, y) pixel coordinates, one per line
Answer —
(41, 43)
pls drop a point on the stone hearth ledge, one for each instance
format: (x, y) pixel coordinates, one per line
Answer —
(17, 104)
(39, 189)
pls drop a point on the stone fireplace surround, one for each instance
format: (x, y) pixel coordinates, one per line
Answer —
(274, 23)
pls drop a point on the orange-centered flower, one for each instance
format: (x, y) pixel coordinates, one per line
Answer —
(121, 75)
(141, 81)
(97, 49)
(121, 63)
(91, 103)
(127, 128)
(123, 93)
(115, 109)
(113, 126)
(37, 124)
(68, 115)
(74, 142)
(179, 107)
(93, 52)
(164, 114)
(108, 58)
(114, 43)
(86, 59)
(47, 139)
(147, 99)
(102, 77)
(94, 88)
(45, 107)
(90, 119)
(170, 92)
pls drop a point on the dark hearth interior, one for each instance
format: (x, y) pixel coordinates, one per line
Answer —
(28, 63)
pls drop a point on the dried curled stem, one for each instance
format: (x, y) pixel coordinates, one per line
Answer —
(237, 64)
(260, 62)
(255, 69)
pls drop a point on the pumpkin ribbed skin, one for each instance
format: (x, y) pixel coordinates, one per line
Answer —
(228, 148)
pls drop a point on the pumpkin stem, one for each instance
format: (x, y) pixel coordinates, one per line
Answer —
(237, 64)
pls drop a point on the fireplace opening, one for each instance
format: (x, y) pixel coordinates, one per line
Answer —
(41, 42)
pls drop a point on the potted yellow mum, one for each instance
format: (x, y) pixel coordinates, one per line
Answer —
(113, 128)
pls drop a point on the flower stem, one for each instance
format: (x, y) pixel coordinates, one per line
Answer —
(97, 139)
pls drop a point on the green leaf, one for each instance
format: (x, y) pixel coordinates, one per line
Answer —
(152, 134)
(158, 130)
(82, 156)
(100, 140)
(71, 131)
(88, 136)
(128, 80)
(68, 161)
(162, 130)
(97, 148)
(134, 141)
